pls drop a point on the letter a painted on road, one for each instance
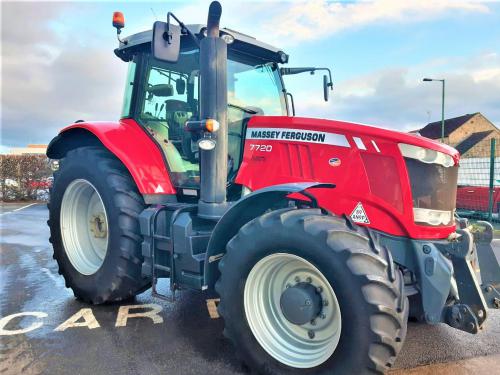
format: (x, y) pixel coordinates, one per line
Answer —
(88, 317)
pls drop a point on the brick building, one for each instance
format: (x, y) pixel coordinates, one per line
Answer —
(470, 134)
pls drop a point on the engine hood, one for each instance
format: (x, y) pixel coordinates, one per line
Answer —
(351, 129)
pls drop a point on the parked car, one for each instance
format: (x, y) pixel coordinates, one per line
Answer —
(43, 183)
(476, 198)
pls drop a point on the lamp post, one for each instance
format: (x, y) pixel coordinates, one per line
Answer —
(442, 105)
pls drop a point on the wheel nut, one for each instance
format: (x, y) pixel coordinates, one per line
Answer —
(319, 289)
(325, 302)
(297, 279)
(308, 280)
(311, 334)
(322, 316)
(287, 286)
(308, 302)
(313, 322)
(480, 313)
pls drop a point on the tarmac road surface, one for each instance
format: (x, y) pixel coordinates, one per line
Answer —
(176, 338)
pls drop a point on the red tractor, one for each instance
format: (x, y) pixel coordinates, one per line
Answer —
(321, 237)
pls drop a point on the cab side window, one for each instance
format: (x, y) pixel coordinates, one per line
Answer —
(170, 99)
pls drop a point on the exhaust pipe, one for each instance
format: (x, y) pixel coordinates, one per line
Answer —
(213, 105)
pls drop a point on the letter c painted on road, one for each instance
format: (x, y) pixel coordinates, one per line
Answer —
(5, 320)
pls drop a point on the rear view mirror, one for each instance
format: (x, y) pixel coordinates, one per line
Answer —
(161, 90)
(326, 88)
(166, 41)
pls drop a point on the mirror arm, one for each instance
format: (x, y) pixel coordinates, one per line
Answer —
(288, 71)
(183, 28)
(330, 84)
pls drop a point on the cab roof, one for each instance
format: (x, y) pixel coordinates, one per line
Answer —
(242, 43)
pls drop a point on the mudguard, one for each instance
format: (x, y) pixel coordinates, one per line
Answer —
(245, 210)
(129, 142)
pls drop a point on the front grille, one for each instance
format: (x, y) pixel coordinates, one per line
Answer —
(434, 191)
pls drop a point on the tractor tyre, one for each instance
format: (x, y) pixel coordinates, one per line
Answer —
(310, 293)
(94, 226)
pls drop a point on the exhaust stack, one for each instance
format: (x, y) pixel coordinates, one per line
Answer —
(213, 105)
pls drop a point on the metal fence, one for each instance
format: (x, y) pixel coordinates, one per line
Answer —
(478, 194)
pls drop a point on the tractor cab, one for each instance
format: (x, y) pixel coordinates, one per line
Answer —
(162, 96)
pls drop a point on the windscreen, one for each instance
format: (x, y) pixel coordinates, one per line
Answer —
(255, 87)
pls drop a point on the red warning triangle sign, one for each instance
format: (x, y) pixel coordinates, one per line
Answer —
(358, 215)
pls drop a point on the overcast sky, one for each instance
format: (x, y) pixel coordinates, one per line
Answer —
(58, 63)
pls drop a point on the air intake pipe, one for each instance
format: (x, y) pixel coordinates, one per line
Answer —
(213, 105)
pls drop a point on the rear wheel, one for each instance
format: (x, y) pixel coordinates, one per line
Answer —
(93, 220)
(305, 292)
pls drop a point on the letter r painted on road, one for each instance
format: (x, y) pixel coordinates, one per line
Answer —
(124, 314)
(6, 319)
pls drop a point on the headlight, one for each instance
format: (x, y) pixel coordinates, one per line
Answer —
(206, 144)
(227, 38)
(283, 57)
(432, 217)
(426, 155)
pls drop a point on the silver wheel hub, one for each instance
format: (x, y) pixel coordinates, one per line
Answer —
(84, 226)
(98, 225)
(292, 310)
(301, 303)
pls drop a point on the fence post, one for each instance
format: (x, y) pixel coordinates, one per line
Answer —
(492, 172)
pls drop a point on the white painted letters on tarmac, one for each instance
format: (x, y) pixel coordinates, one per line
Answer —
(124, 313)
(88, 317)
(6, 319)
(212, 307)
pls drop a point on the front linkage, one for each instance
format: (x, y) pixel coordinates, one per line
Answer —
(451, 281)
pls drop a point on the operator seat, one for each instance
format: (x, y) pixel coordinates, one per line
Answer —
(177, 112)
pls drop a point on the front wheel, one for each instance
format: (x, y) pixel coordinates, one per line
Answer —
(309, 293)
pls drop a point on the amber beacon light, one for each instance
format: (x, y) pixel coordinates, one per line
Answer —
(118, 20)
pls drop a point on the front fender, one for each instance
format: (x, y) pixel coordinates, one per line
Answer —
(245, 210)
(129, 142)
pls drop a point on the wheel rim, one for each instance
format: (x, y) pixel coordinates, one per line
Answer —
(84, 227)
(300, 346)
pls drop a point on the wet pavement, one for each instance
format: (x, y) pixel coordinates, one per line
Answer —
(182, 338)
